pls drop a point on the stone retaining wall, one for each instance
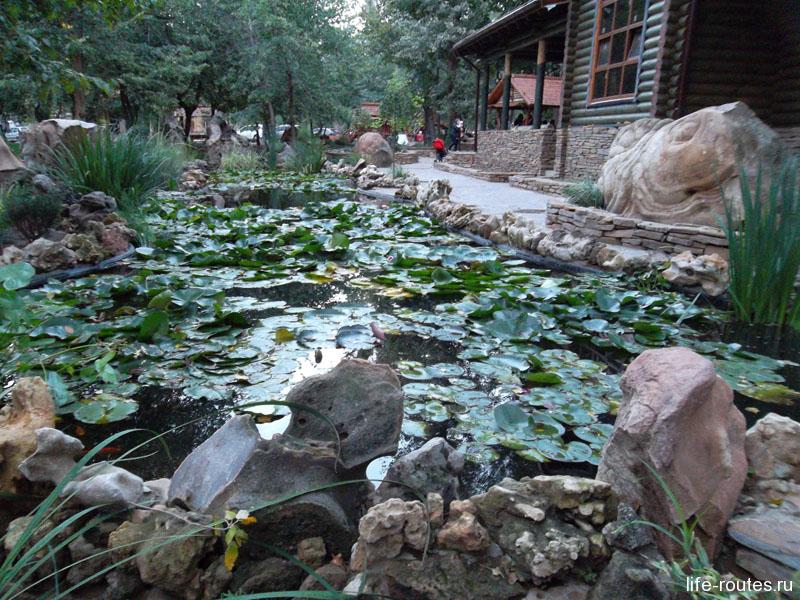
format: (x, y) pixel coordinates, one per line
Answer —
(614, 229)
(581, 152)
(544, 185)
(461, 158)
(516, 151)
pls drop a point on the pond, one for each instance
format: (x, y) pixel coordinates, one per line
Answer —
(517, 367)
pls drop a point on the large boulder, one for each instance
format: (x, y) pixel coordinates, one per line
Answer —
(31, 407)
(376, 150)
(39, 142)
(679, 171)
(362, 400)
(677, 422)
(46, 255)
(11, 168)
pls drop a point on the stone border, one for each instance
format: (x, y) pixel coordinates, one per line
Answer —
(543, 185)
(614, 229)
(493, 176)
(42, 278)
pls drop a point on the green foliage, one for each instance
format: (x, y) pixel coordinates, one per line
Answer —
(308, 156)
(400, 105)
(764, 241)
(30, 213)
(585, 193)
(398, 172)
(128, 167)
(241, 159)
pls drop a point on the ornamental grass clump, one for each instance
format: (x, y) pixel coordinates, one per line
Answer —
(309, 154)
(764, 242)
(29, 212)
(585, 193)
(129, 167)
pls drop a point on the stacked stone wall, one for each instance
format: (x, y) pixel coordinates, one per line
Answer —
(581, 152)
(615, 229)
(522, 150)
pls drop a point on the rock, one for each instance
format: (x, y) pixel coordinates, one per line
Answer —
(122, 585)
(85, 247)
(625, 533)
(97, 202)
(117, 239)
(215, 580)
(567, 591)
(442, 575)
(220, 137)
(762, 568)
(773, 448)
(87, 560)
(156, 491)
(312, 551)
(434, 467)
(45, 255)
(438, 189)
(228, 471)
(10, 255)
(376, 150)
(562, 245)
(386, 529)
(270, 575)
(193, 179)
(285, 156)
(629, 576)
(43, 184)
(104, 484)
(464, 533)
(365, 403)
(549, 526)
(39, 142)
(335, 575)
(53, 458)
(93, 485)
(678, 171)
(168, 546)
(677, 417)
(708, 271)
(774, 534)
(31, 408)
(11, 168)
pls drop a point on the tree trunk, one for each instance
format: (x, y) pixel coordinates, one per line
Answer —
(290, 94)
(78, 96)
(125, 101)
(188, 110)
(430, 124)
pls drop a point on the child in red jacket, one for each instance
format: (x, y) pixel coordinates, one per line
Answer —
(438, 145)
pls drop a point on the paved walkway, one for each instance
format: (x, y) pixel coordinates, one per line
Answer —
(490, 197)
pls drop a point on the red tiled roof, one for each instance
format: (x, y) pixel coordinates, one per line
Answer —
(523, 91)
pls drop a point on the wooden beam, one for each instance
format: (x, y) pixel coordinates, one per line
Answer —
(485, 100)
(541, 59)
(505, 114)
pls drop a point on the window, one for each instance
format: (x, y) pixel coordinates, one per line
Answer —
(617, 46)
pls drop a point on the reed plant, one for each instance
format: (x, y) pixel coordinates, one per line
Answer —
(764, 241)
(309, 154)
(585, 193)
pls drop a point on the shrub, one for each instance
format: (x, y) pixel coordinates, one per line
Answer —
(28, 212)
(240, 159)
(764, 241)
(309, 154)
(128, 167)
(585, 193)
(398, 172)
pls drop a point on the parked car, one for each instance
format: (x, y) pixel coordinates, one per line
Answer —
(249, 132)
(327, 133)
(12, 133)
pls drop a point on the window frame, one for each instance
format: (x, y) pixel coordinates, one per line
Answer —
(595, 68)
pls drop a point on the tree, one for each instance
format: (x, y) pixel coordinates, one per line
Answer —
(400, 105)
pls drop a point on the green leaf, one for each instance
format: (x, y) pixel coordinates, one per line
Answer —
(154, 324)
(62, 397)
(441, 276)
(160, 301)
(17, 275)
(510, 416)
(542, 378)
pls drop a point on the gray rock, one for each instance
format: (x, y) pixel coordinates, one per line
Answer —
(87, 559)
(104, 483)
(11, 168)
(773, 533)
(270, 575)
(54, 457)
(98, 202)
(38, 143)
(122, 585)
(630, 577)
(42, 183)
(364, 402)
(762, 568)
(433, 468)
(45, 255)
(156, 491)
(376, 150)
(567, 591)
(333, 574)
(625, 533)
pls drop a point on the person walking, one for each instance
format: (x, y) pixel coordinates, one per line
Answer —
(438, 145)
(455, 135)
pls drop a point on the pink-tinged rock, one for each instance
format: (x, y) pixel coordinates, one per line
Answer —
(464, 534)
(677, 416)
(117, 238)
(773, 448)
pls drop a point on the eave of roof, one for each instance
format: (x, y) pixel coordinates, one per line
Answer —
(527, 9)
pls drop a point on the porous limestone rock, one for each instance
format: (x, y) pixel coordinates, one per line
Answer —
(54, 456)
(438, 189)
(707, 271)
(562, 245)
(679, 171)
(10, 255)
(677, 417)
(31, 408)
(376, 150)
(43, 184)
(386, 529)
(39, 142)
(434, 467)
(46, 255)
(463, 533)
(86, 247)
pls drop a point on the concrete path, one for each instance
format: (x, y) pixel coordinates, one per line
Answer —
(490, 197)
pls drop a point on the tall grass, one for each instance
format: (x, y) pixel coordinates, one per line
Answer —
(585, 193)
(309, 154)
(242, 159)
(129, 167)
(764, 242)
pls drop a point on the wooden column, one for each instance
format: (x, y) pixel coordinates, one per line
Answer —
(504, 115)
(537, 106)
(484, 117)
(477, 103)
